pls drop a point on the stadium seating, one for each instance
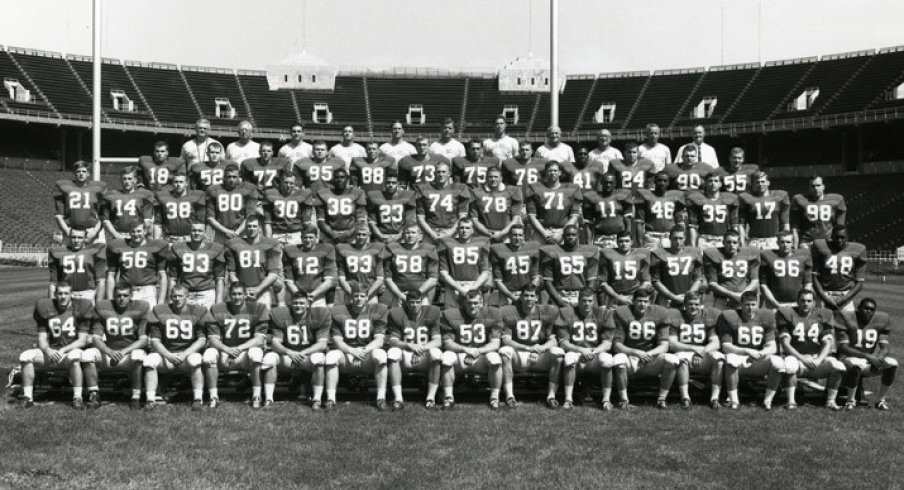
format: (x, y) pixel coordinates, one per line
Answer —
(50, 72)
(620, 89)
(664, 97)
(829, 75)
(869, 84)
(271, 108)
(573, 100)
(485, 102)
(725, 84)
(346, 103)
(9, 70)
(208, 84)
(772, 84)
(390, 97)
(165, 92)
(113, 77)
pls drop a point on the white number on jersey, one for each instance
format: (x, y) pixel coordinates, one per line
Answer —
(528, 330)
(307, 265)
(73, 264)
(196, 263)
(663, 209)
(230, 202)
(242, 332)
(137, 259)
(553, 200)
(786, 268)
(249, 258)
(715, 213)
(571, 264)
(297, 335)
(752, 335)
(371, 175)
(626, 270)
(176, 329)
(444, 200)
(58, 327)
(129, 207)
(764, 209)
(359, 263)
(419, 335)
(840, 264)
(498, 204)
(356, 329)
(819, 212)
(412, 264)
(465, 255)
(79, 200)
(641, 330)
(866, 339)
(692, 333)
(265, 177)
(178, 209)
(392, 213)
(120, 326)
(734, 268)
(285, 209)
(517, 265)
(679, 266)
(472, 333)
(583, 332)
(801, 332)
(342, 206)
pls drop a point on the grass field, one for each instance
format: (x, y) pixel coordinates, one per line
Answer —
(356, 447)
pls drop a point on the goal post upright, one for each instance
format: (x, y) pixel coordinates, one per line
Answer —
(554, 62)
(95, 95)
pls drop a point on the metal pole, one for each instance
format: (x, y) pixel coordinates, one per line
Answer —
(553, 62)
(95, 94)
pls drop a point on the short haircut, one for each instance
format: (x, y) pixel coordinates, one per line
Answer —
(867, 299)
(691, 296)
(550, 164)
(81, 164)
(448, 121)
(300, 295)
(298, 124)
(66, 285)
(678, 228)
(652, 125)
(236, 285)
(749, 296)
(179, 287)
(474, 293)
(202, 121)
(641, 293)
(804, 291)
(214, 145)
(622, 234)
(232, 167)
(474, 141)
(319, 143)
(131, 169)
(587, 291)
(414, 295)
(266, 143)
(390, 172)
(122, 286)
(732, 232)
(529, 288)
(161, 144)
(630, 145)
(308, 229)
(356, 287)
(737, 151)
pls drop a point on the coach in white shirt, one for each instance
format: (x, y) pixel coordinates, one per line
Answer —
(347, 149)
(245, 147)
(397, 148)
(604, 152)
(296, 148)
(705, 153)
(501, 145)
(554, 149)
(195, 149)
(446, 145)
(653, 150)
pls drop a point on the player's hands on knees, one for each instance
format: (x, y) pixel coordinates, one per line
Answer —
(534, 357)
(115, 356)
(755, 354)
(645, 358)
(298, 357)
(810, 363)
(54, 356)
(472, 352)
(233, 352)
(417, 349)
(876, 362)
(175, 359)
(587, 354)
(359, 353)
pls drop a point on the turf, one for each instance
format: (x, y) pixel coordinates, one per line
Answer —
(52, 446)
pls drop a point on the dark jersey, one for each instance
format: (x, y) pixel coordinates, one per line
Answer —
(535, 327)
(474, 174)
(569, 270)
(413, 171)
(80, 268)
(341, 211)
(631, 176)
(369, 176)
(63, 325)
(644, 332)
(764, 215)
(816, 219)
(137, 265)
(230, 207)
(197, 269)
(317, 174)
(753, 333)
(363, 265)
(519, 174)
(608, 215)
(443, 206)
(807, 333)
(515, 268)
(553, 206)
(734, 273)
(464, 261)
(235, 326)
(252, 262)
(156, 176)
(625, 272)
(712, 216)
(309, 268)
(468, 331)
(496, 208)
(203, 175)
(864, 338)
(585, 330)
(126, 210)
(418, 330)
(287, 213)
(683, 178)
(358, 330)
(177, 331)
(79, 205)
(786, 276)
(391, 213)
(677, 271)
(299, 333)
(737, 180)
(263, 175)
(838, 270)
(699, 329)
(658, 213)
(409, 268)
(176, 214)
(119, 329)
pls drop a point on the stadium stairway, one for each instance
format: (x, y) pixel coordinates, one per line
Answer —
(664, 95)
(271, 108)
(113, 77)
(575, 90)
(620, 89)
(768, 89)
(868, 86)
(166, 93)
(57, 81)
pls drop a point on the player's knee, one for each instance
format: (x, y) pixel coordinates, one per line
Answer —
(619, 360)
(28, 357)
(379, 356)
(792, 365)
(493, 358)
(317, 358)
(856, 363)
(210, 357)
(735, 360)
(89, 356)
(557, 352)
(75, 355)
(270, 361)
(716, 356)
(194, 360)
(836, 365)
(776, 364)
(256, 355)
(506, 352)
(394, 354)
(138, 355)
(670, 360)
(571, 358)
(449, 358)
(332, 358)
(891, 362)
(606, 360)
(434, 355)
(152, 361)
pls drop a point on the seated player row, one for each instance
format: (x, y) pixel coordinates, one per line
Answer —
(362, 338)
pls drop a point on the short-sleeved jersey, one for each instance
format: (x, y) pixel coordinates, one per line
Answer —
(522, 174)
(395, 152)
(409, 268)
(806, 332)
(390, 213)
(699, 329)
(79, 205)
(363, 265)
(786, 276)
(137, 265)
(515, 268)
(677, 271)
(80, 268)
(317, 174)
(587, 177)
(369, 176)
(197, 269)
(534, 327)
(458, 326)
(443, 206)
(753, 333)
(63, 325)
(464, 261)
(287, 213)
(177, 331)
(341, 211)
(502, 148)
(764, 215)
(643, 332)
(585, 330)
(347, 152)
(609, 215)
(235, 326)
(658, 213)
(737, 180)
(263, 174)
(414, 170)
(625, 272)
(299, 333)
(296, 152)
(569, 270)
(119, 329)
(838, 270)
(418, 330)
(126, 210)
(473, 174)
(864, 338)
(553, 206)
(203, 175)
(231, 207)
(631, 176)
(561, 152)
(734, 273)
(309, 268)
(176, 214)
(252, 262)
(357, 330)
(496, 208)
(156, 176)
(816, 219)
(685, 178)
(712, 216)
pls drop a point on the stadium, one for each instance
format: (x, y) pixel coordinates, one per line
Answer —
(835, 116)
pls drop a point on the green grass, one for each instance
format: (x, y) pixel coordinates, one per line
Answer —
(52, 445)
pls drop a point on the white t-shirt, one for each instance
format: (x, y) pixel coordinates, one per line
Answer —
(660, 155)
(346, 153)
(193, 152)
(502, 148)
(449, 150)
(397, 151)
(604, 157)
(705, 154)
(295, 153)
(238, 152)
(561, 153)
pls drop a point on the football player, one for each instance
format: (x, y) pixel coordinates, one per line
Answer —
(711, 213)
(623, 271)
(500, 145)
(464, 262)
(243, 148)
(568, 268)
(177, 335)
(208, 172)
(369, 173)
(340, 209)
(731, 270)
(263, 171)
(839, 268)
(254, 261)
(763, 213)
(390, 208)
(119, 337)
(299, 338)
(140, 263)
(471, 343)
(296, 148)
(676, 270)
(515, 265)
(395, 149)
(124, 208)
(347, 149)
(410, 265)
(863, 346)
(642, 334)
(631, 172)
(694, 340)
(496, 207)
(440, 204)
(446, 145)
(420, 168)
(784, 272)
(737, 176)
(177, 209)
(158, 169)
(317, 171)
(688, 173)
(361, 261)
(200, 267)
(286, 210)
(653, 150)
(472, 169)
(195, 149)
(414, 346)
(657, 211)
(607, 213)
(551, 205)
(63, 327)
(83, 266)
(77, 203)
(604, 152)
(523, 169)
(230, 204)
(815, 214)
(236, 334)
(529, 345)
(554, 148)
(747, 335)
(310, 267)
(358, 332)
(806, 336)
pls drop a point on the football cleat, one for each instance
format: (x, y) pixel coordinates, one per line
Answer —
(850, 405)
(714, 404)
(214, 403)
(833, 406)
(882, 405)
(791, 406)
(567, 405)
(329, 406)
(767, 407)
(268, 403)
(381, 405)
(494, 404)
(256, 402)
(78, 404)
(685, 403)
(625, 405)
(606, 406)
(134, 404)
(316, 406)
(93, 400)
(28, 403)
(398, 406)
(552, 403)
(430, 404)
(511, 402)
(662, 404)
(448, 403)
(196, 405)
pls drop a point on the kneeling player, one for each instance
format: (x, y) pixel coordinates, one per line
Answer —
(642, 334)
(693, 339)
(298, 342)
(807, 342)
(530, 345)
(358, 331)
(415, 341)
(471, 341)
(864, 350)
(63, 325)
(237, 331)
(120, 340)
(585, 333)
(176, 336)
(747, 335)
